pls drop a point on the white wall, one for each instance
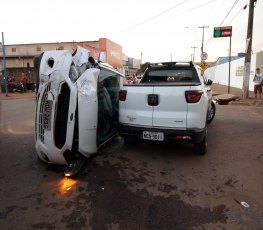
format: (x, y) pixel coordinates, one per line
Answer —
(219, 74)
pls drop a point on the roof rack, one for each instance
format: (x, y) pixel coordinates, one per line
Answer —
(170, 63)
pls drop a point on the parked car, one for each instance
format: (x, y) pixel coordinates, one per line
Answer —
(139, 78)
(172, 102)
(77, 107)
(128, 80)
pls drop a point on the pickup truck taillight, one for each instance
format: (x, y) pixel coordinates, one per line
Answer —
(122, 95)
(193, 96)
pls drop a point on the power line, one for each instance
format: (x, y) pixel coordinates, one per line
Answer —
(171, 8)
(156, 16)
(199, 6)
(229, 12)
(236, 15)
(195, 9)
(232, 7)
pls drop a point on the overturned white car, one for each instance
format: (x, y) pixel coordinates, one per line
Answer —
(77, 106)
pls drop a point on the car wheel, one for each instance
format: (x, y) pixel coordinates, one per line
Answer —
(211, 113)
(201, 148)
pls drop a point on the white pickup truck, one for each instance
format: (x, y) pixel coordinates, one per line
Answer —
(172, 102)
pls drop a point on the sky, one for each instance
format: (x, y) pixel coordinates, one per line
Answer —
(153, 30)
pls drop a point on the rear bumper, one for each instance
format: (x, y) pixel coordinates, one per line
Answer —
(188, 135)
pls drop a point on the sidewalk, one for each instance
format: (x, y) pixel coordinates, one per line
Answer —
(12, 96)
(217, 89)
(222, 90)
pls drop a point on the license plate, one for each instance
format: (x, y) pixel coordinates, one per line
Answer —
(47, 114)
(156, 136)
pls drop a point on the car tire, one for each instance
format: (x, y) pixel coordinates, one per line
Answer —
(211, 113)
(201, 148)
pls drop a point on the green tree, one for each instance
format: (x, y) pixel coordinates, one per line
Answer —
(144, 67)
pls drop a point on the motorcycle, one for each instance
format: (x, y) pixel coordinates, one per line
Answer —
(15, 87)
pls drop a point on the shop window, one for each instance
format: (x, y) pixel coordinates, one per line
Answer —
(13, 50)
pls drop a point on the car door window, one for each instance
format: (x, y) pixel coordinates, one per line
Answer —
(108, 89)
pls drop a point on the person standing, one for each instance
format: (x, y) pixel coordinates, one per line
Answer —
(258, 81)
(24, 81)
(134, 79)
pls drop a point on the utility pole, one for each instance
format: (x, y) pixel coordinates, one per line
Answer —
(194, 47)
(246, 75)
(4, 61)
(203, 27)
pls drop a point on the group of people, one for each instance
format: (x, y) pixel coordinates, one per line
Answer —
(23, 80)
(133, 79)
(258, 82)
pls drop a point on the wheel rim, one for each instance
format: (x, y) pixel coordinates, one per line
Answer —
(211, 113)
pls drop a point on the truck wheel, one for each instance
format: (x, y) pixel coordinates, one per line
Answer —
(201, 148)
(211, 113)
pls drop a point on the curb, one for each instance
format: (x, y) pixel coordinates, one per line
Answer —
(17, 96)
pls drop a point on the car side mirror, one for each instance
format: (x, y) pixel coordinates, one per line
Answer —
(209, 82)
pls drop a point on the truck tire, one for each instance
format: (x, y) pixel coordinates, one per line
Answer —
(201, 148)
(211, 113)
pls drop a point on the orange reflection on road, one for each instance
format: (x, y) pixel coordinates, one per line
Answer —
(23, 128)
(66, 185)
(17, 131)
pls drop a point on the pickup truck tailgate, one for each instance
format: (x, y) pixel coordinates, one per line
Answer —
(135, 109)
(171, 111)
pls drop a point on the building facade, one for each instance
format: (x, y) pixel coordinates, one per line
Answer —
(220, 73)
(20, 57)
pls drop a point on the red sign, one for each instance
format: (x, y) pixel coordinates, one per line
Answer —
(226, 33)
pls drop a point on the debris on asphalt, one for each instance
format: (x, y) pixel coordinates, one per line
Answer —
(224, 99)
(245, 204)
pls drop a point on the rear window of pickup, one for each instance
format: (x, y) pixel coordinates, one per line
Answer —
(172, 75)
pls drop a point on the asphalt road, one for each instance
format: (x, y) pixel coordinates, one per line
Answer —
(145, 186)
